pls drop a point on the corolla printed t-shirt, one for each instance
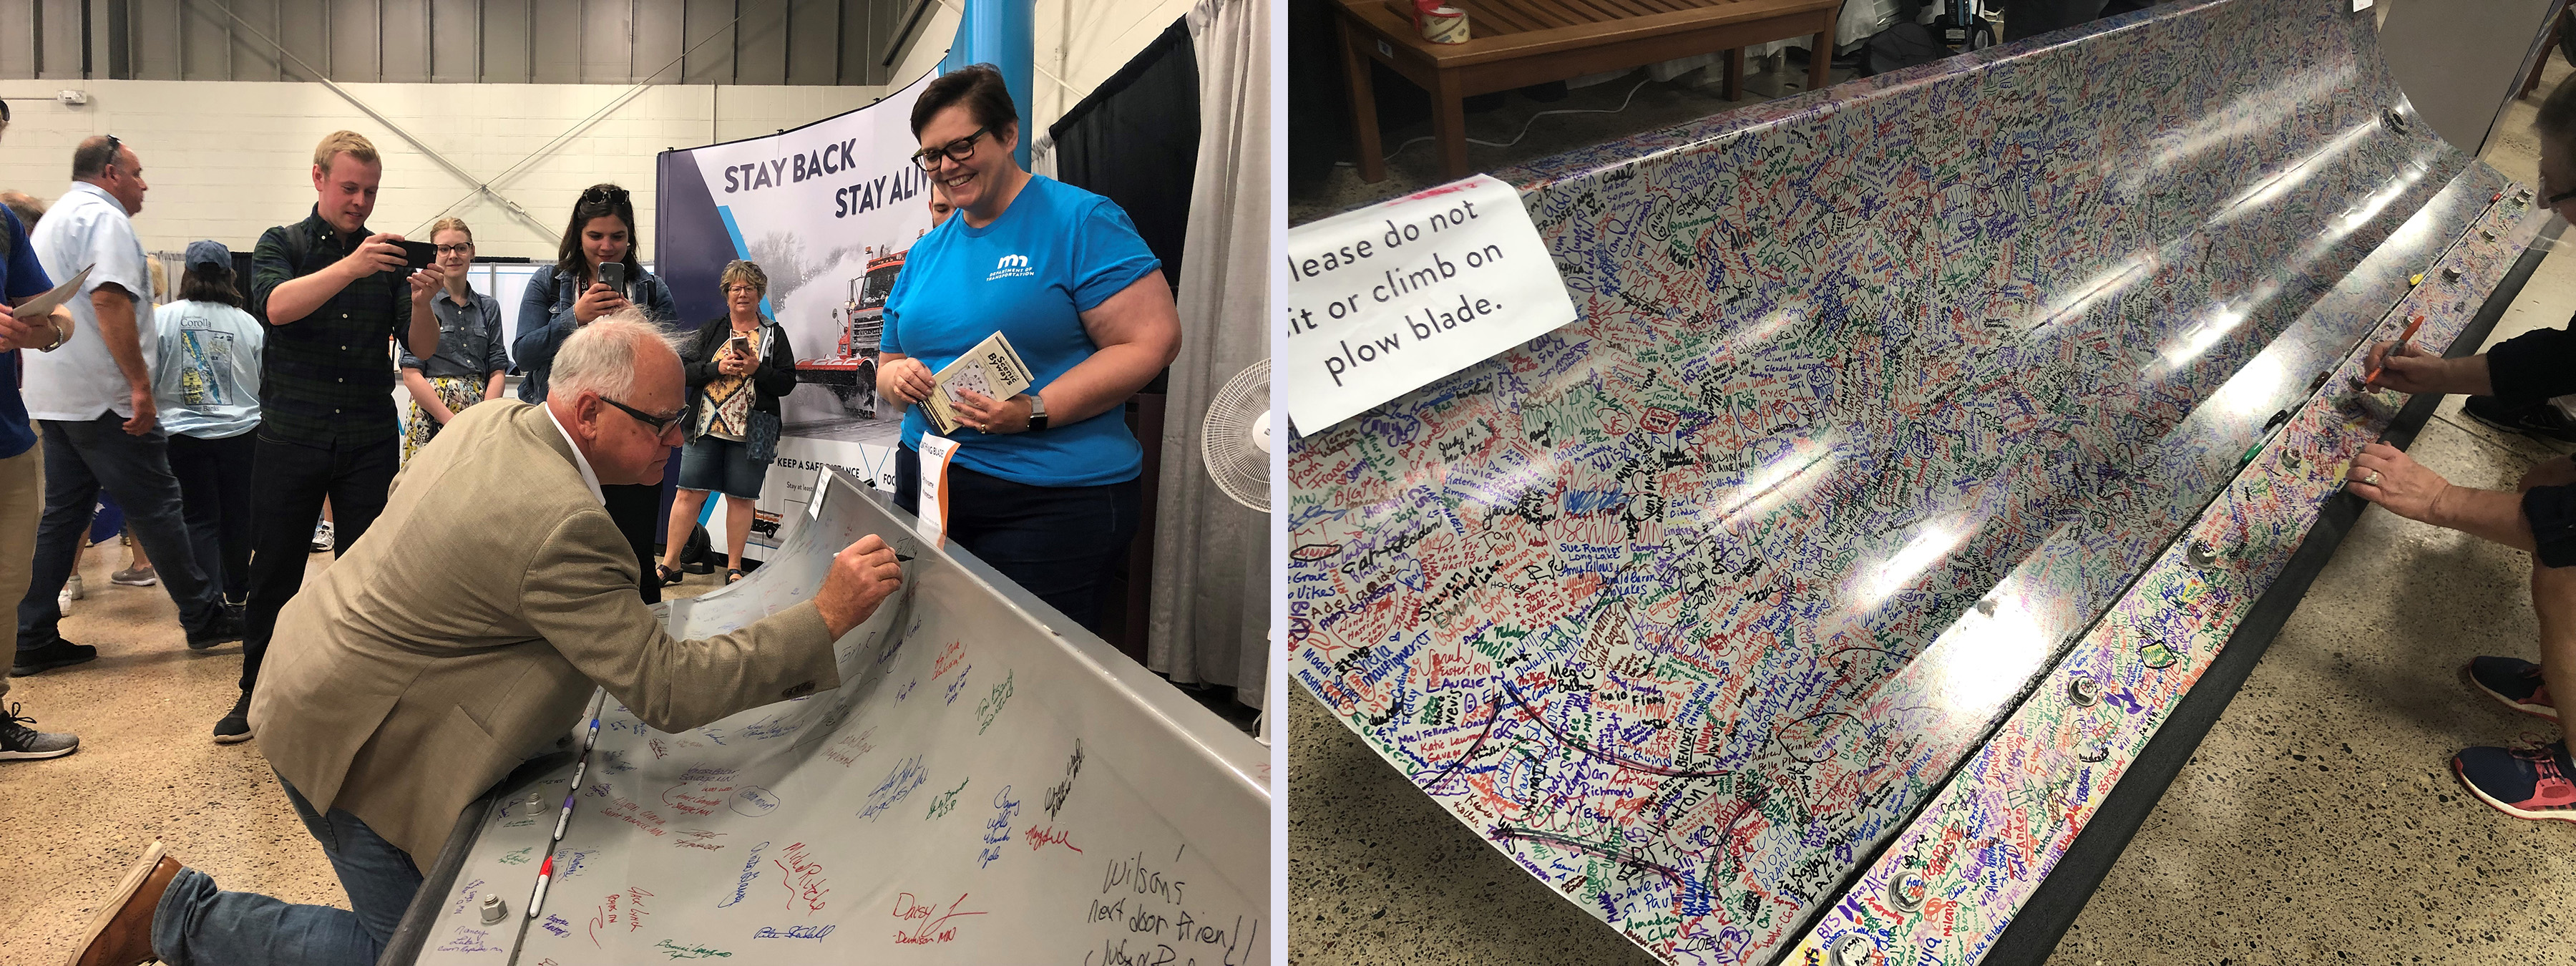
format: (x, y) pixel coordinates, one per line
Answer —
(206, 380)
(1056, 252)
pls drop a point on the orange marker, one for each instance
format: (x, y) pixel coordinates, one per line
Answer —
(2411, 327)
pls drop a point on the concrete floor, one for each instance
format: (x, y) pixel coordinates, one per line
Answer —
(148, 767)
(2317, 823)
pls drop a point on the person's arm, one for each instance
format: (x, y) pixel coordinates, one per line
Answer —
(776, 376)
(117, 327)
(541, 329)
(2385, 475)
(1138, 331)
(658, 304)
(422, 393)
(2533, 366)
(415, 323)
(496, 349)
(579, 594)
(697, 362)
(2409, 369)
(291, 299)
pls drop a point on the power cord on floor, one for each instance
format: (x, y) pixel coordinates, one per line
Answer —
(1525, 128)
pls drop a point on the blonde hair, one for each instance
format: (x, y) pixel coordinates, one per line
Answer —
(160, 281)
(451, 223)
(743, 270)
(351, 143)
(603, 356)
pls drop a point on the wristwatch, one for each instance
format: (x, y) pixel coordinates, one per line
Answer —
(1037, 412)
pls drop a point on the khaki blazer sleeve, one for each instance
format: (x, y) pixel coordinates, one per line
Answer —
(579, 593)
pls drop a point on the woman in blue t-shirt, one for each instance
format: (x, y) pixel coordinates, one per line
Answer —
(1043, 484)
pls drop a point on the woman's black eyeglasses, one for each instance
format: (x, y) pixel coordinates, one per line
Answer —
(463, 249)
(604, 192)
(660, 424)
(927, 159)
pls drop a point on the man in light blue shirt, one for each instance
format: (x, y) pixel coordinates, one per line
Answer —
(95, 403)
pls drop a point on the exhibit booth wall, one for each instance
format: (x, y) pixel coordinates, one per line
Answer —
(1080, 43)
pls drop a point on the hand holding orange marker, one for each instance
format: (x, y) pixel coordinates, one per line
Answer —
(2411, 327)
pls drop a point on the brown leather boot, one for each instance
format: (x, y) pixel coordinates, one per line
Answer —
(121, 933)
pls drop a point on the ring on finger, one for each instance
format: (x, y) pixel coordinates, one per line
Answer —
(2372, 479)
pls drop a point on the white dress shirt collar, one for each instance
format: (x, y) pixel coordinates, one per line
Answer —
(588, 478)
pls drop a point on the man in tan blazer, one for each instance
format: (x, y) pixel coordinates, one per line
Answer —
(463, 636)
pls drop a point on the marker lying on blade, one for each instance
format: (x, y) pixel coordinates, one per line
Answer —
(2402, 338)
(545, 874)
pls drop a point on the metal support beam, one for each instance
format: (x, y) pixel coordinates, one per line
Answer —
(480, 186)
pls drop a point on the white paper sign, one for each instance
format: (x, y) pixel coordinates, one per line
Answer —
(933, 498)
(1383, 300)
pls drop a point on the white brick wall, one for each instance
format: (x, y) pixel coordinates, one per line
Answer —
(226, 160)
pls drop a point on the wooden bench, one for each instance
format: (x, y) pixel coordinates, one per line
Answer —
(1517, 43)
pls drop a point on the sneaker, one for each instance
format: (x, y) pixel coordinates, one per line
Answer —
(58, 653)
(224, 627)
(2538, 420)
(322, 536)
(63, 603)
(235, 728)
(72, 588)
(2524, 781)
(135, 577)
(17, 740)
(2514, 681)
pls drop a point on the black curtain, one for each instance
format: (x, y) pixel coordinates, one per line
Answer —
(1135, 140)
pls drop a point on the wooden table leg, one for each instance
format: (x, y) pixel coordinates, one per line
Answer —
(1449, 127)
(1355, 65)
(1820, 57)
(1734, 86)
(2547, 46)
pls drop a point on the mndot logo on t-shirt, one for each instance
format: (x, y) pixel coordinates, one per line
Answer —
(1011, 266)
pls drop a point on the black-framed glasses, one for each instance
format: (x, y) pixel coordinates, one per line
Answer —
(445, 250)
(927, 159)
(114, 149)
(661, 424)
(608, 193)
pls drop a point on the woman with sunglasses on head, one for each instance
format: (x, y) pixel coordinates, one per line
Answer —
(597, 271)
(1043, 484)
(472, 354)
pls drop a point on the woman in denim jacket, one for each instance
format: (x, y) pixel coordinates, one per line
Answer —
(567, 295)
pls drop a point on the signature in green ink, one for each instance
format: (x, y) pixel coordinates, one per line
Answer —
(677, 951)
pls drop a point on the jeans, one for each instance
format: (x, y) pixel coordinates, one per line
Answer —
(290, 480)
(80, 458)
(214, 495)
(197, 924)
(22, 503)
(1058, 542)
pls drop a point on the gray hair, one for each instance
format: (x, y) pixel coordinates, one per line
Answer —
(603, 356)
(2556, 123)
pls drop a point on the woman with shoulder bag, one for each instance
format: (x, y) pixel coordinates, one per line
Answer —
(598, 270)
(739, 366)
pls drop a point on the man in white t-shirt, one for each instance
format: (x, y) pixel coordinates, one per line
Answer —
(93, 400)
